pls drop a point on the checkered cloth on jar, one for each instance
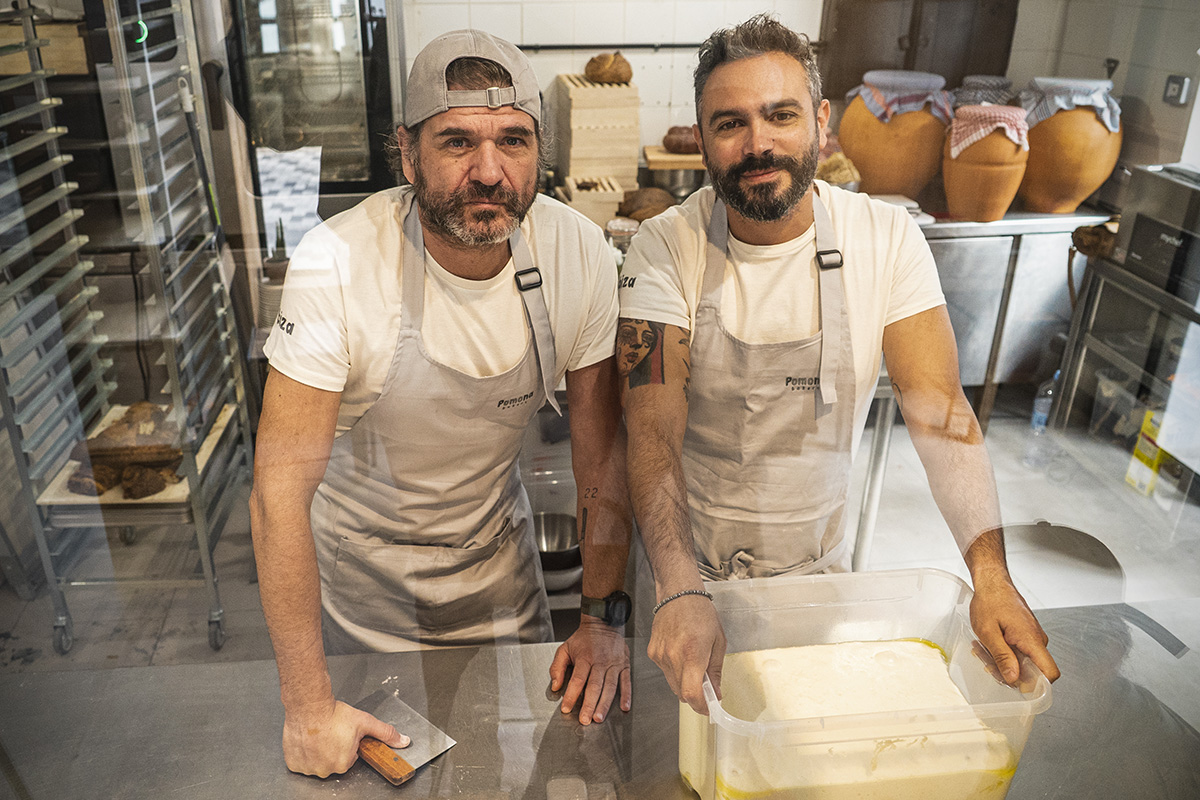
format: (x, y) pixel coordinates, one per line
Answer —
(890, 92)
(972, 123)
(979, 89)
(1045, 97)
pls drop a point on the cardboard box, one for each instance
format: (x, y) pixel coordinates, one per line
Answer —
(1147, 457)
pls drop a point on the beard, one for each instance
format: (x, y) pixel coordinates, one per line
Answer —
(764, 202)
(450, 215)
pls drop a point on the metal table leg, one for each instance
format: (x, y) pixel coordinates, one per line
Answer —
(986, 398)
(881, 439)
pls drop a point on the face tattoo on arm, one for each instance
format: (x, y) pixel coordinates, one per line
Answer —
(640, 352)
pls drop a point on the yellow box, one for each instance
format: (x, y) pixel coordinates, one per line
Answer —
(1147, 457)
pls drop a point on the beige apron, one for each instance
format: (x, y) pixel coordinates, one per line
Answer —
(423, 530)
(766, 454)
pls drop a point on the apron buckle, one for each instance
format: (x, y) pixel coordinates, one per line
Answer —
(829, 259)
(528, 279)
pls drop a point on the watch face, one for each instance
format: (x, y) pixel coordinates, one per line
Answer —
(614, 609)
(618, 607)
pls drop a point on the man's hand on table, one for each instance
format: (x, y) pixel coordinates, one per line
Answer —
(687, 642)
(599, 657)
(1007, 628)
(323, 740)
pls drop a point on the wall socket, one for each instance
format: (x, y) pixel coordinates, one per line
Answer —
(1176, 90)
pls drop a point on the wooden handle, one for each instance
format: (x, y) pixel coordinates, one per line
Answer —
(385, 760)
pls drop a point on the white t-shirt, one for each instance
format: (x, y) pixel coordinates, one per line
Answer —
(339, 317)
(770, 292)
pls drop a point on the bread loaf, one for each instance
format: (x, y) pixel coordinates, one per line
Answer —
(645, 203)
(679, 139)
(94, 480)
(608, 68)
(141, 436)
(138, 482)
(838, 170)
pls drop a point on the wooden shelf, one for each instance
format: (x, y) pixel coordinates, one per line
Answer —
(657, 157)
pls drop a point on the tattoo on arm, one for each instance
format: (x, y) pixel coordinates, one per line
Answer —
(687, 369)
(640, 352)
(583, 525)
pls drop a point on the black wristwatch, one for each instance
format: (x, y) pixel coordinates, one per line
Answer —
(614, 609)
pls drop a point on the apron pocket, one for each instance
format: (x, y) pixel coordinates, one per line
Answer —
(437, 595)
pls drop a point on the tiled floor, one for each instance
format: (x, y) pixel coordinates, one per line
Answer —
(1158, 554)
(119, 626)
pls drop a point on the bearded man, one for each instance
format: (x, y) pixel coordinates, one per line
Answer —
(419, 333)
(771, 298)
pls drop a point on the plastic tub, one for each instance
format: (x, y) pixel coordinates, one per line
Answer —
(964, 752)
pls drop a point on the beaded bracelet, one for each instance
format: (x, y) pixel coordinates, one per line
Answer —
(678, 595)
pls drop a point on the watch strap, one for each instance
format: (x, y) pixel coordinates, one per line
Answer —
(614, 609)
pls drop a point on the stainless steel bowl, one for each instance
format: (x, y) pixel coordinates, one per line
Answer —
(557, 540)
(679, 182)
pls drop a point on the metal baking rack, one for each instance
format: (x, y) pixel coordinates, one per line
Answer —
(168, 201)
(53, 378)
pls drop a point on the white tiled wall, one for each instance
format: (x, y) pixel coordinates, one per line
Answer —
(1191, 145)
(1150, 38)
(1036, 40)
(663, 77)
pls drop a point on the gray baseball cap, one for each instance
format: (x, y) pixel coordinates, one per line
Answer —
(427, 92)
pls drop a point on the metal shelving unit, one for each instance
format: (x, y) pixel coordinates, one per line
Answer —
(53, 379)
(1159, 313)
(167, 199)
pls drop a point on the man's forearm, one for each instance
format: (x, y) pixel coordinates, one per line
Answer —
(598, 464)
(949, 441)
(660, 506)
(656, 364)
(290, 589)
(985, 558)
(604, 517)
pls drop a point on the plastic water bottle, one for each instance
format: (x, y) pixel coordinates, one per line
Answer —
(1039, 451)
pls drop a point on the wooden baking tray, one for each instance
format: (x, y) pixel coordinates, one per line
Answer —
(657, 157)
(58, 496)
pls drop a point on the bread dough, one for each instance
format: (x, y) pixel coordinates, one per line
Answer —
(880, 756)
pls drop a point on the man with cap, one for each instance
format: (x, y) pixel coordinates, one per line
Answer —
(754, 317)
(418, 334)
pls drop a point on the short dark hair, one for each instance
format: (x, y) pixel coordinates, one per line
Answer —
(759, 35)
(467, 72)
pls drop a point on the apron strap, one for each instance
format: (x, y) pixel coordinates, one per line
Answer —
(412, 279)
(528, 278)
(529, 284)
(833, 297)
(714, 268)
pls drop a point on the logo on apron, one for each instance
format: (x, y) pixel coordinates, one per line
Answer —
(803, 384)
(513, 402)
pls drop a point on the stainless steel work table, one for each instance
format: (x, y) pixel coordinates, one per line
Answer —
(1121, 726)
(1006, 292)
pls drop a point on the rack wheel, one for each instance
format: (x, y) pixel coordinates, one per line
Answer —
(216, 634)
(62, 640)
(127, 534)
